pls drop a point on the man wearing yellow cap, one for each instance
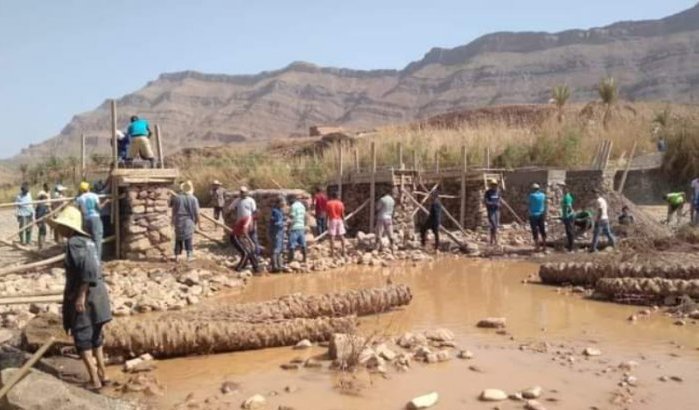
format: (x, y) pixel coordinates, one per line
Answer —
(85, 299)
(492, 199)
(89, 204)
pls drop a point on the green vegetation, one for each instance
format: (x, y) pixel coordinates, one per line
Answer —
(608, 92)
(561, 95)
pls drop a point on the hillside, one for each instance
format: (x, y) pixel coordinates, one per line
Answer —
(651, 60)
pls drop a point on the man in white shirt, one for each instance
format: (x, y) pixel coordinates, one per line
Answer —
(602, 222)
(695, 200)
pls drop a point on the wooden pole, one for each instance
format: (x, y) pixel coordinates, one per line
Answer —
(422, 202)
(115, 151)
(436, 162)
(462, 194)
(29, 295)
(19, 374)
(356, 160)
(38, 221)
(442, 228)
(339, 171)
(115, 186)
(626, 169)
(21, 300)
(415, 160)
(509, 208)
(83, 163)
(401, 164)
(372, 188)
(217, 223)
(159, 142)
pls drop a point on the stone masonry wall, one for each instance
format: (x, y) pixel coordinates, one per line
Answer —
(146, 231)
(475, 215)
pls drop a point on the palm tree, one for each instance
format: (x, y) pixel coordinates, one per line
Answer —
(608, 92)
(560, 94)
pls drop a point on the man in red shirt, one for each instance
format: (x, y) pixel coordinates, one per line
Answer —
(320, 204)
(336, 223)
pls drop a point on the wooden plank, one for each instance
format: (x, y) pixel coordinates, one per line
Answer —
(83, 163)
(339, 171)
(147, 172)
(19, 374)
(422, 202)
(462, 193)
(159, 143)
(627, 168)
(356, 159)
(372, 188)
(436, 162)
(115, 151)
(21, 300)
(217, 223)
(401, 164)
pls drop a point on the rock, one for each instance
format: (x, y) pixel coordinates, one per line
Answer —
(254, 402)
(676, 379)
(516, 396)
(5, 335)
(440, 335)
(631, 380)
(290, 366)
(492, 323)
(54, 394)
(385, 352)
(591, 352)
(663, 378)
(291, 389)
(344, 346)
(129, 365)
(534, 405)
(313, 364)
(423, 402)
(532, 392)
(409, 340)
(628, 365)
(229, 387)
(680, 322)
(493, 395)
(304, 344)
(476, 369)
(465, 354)
(146, 357)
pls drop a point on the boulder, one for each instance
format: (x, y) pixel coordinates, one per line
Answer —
(254, 402)
(492, 322)
(423, 402)
(440, 335)
(343, 347)
(385, 352)
(55, 394)
(493, 395)
(304, 344)
(532, 392)
(591, 351)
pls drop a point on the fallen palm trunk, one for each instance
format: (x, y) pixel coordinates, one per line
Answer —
(661, 288)
(176, 337)
(588, 273)
(353, 302)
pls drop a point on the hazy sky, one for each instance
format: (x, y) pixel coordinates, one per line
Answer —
(60, 58)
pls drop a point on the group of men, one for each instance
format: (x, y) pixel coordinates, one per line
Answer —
(574, 222)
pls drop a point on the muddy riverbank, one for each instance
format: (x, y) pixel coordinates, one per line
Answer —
(545, 336)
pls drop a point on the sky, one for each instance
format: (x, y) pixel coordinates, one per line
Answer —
(61, 58)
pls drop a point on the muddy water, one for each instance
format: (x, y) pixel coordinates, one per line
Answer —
(452, 293)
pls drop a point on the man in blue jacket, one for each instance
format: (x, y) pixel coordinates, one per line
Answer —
(139, 136)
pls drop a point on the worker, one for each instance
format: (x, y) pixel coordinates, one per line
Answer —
(319, 203)
(492, 201)
(385, 208)
(675, 205)
(276, 234)
(123, 142)
(626, 217)
(433, 222)
(602, 222)
(42, 209)
(58, 192)
(86, 307)
(139, 135)
(25, 214)
(244, 207)
(297, 228)
(185, 219)
(336, 223)
(583, 222)
(694, 211)
(218, 198)
(538, 208)
(89, 204)
(568, 217)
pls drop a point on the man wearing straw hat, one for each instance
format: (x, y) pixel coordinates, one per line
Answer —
(85, 300)
(218, 198)
(185, 217)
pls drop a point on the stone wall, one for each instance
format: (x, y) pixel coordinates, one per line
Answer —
(146, 230)
(518, 187)
(475, 216)
(582, 184)
(646, 186)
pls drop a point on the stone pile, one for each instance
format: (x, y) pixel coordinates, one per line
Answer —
(146, 228)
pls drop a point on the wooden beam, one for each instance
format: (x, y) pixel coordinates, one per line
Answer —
(21, 300)
(83, 163)
(347, 218)
(115, 187)
(217, 223)
(436, 162)
(37, 221)
(462, 193)
(356, 159)
(159, 143)
(372, 188)
(441, 227)
(115, 151)
(415, 159)
(422, 202)
(339, 170)
(22, 371)
(401, 164)
(626, 169)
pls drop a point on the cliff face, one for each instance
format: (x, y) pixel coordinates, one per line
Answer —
(651, 60)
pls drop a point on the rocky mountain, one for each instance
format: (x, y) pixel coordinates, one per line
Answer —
(651, 60)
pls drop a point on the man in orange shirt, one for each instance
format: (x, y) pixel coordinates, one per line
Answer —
(336, 223)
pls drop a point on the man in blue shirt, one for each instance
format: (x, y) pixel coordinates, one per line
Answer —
(492, 205)
(537, 216)
(90, 208)
(139, 136)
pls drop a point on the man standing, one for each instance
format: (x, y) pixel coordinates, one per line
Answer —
(675, 205)
(297, 230)
(89, 204)
(602, 222)
(244, 207)
(384, 219)
(122, 147)
(695, 200)
(218, 199)
(276, 234)
(492, 200)
(626, 217)
(568, 217)
(139, 135)
(86, 307)
(185, 218)
(42, 209)
(320, 205)
(537, 217)
(336, 223)
(25, 214)
(433, 222)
